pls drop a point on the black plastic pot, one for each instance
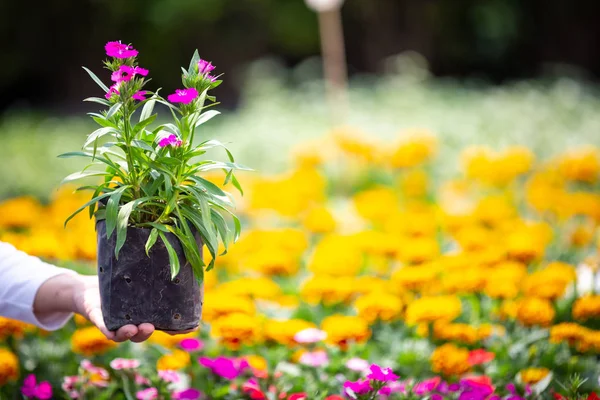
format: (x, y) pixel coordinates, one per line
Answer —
(137, 288)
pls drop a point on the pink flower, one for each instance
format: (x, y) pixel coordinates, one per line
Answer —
(124, 363)
(169, 376)
(119, 50)
(382, 375)
(191, 344)
(113, 90)
(170, 140)
(310, 335)
(252, 389)
(32, 390)
(426, 386)
(68, 384)
(139, 95)
(140, 380)
(437, 397)
(211, 78)
(357, 364)
(125, 73)
(183, 96)
(188, 394)
(147, 394)
(87, 365)
(204, 67)
(317, 358)
(225, 367)
(358, 387)
(480, 356)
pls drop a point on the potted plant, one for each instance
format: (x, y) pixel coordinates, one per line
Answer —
(153, 209)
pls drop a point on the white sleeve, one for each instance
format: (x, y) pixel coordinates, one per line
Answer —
(21, 276)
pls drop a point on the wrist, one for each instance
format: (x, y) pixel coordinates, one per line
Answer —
(58, 294)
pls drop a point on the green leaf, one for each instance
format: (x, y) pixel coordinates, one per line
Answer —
(206, 116)
(80, 175)
(223, 165)
(97, 134)
(173, 259)
(147, 109)
(123, 221)
(144, 123)
(205, 214)
(193, 62)
(113, 110)
(89, 203)
(216, 193)
(150, 189)
(142, 145)
(96, 79)
(236, 184)
(112, 209)
(98, 100)
(151, 240)
(222, 228)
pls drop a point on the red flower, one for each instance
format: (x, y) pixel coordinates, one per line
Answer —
(593, 396)
(298, 396)
(252, 389)
(480, 356)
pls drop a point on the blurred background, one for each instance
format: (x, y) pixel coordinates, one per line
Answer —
(473, 71)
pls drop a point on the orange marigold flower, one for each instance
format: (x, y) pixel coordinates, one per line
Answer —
(567, 332)
(587, 307)
(90, 341)
(378, 306)
(12, 327)
(432, 309)
(535, 311)
(343, 330)
(178, 359)
(450, 360)
(531, 376)
(9, 367)
(283, 331)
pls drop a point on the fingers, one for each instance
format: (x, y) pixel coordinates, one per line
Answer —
(95, 317)
(144, 332)
(173, 333)
(125, 333)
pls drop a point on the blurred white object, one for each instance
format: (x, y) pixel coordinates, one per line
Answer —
(324, 5)
(585, 279)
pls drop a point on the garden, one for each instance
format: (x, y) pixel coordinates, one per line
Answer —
(441, 243)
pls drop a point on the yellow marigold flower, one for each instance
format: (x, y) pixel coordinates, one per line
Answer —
(414, 183)
(508, 270)
(531, 376)
(220, 303)
(474, 237)
(455, 332)
(569, 332)
(485, 331)
(549, 283)
(508, 309)
(378, 306)
(20, 212)
(355, 143)
(469, 280)
(336, 256)
(235, 330)
(415, 278)
(419, 250)
(169, 341)
(178, 359)
(283, 331)
(499, 289)
(493, 210)
(581, 235)
(413, 222)
(80, 320)
(587, 307)
(524, 245)
(9, 367)
(371, 284)
(581, 164)
(450, 360)
(417, 147)
(343, 330)
(319, 220)
(272, 261)
(535, 311)
(590, 341)
(12, 327)
(90, 341)
(257, 362)
(377, 243)
(252, 287)
(375, 204)
(431, 309)
(328, 290)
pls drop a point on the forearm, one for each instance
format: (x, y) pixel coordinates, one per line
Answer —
(57, 295)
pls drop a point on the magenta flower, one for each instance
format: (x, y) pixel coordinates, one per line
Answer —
(169, 376)
(183, 96)
(33, 390)
(382, 375)
(119, 50)
(140, 380)
(204, 67)
(357, 364)
(125, 73)
(426, 386)
(358, 387)
(317, 358)
(225, 367)
(113, 90)
(437, 397)
(139, 95)
(170, 140)
(188, 394)
(124, 363)
(191, 344)
(211, 78)
(147, 394)
(310, 335)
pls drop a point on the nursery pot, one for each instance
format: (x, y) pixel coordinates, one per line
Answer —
(136, 288)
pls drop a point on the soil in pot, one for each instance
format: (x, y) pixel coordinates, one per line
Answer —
(137, 288)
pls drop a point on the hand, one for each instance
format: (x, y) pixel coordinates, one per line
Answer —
(80, 294)
(86, 301)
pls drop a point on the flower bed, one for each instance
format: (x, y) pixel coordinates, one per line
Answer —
(355, 261)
